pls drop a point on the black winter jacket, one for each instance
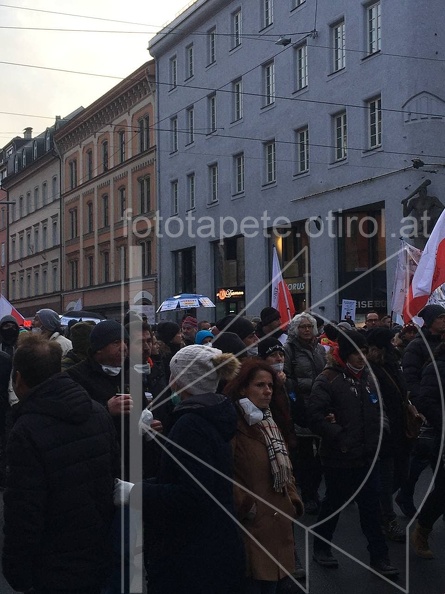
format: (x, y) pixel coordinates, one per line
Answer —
(58, 502)
(415, 358)
(351, 441)
(197, 547)
(430, 401)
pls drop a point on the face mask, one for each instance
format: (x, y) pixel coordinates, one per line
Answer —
(252, 351)
(175, 398)
(111, 370)
(142, 368)
(278, 367)
(10, 334)
(36, 330)
(252, 413)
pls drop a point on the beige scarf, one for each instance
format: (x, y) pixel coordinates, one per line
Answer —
(280, 463)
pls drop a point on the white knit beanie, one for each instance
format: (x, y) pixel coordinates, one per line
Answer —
(198, 368)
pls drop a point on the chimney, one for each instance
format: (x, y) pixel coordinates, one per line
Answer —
(58, 118)
(27, 133)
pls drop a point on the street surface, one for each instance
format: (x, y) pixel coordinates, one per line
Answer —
(425, 576)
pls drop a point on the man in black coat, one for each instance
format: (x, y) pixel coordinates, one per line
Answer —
(58, 502)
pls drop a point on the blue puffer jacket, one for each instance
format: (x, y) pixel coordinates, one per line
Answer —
(58, 502)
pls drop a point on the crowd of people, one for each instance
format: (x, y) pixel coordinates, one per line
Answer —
(216, 438)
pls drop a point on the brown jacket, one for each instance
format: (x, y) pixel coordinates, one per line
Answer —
(273, 530)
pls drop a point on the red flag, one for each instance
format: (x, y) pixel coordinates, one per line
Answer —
(430, 272)
(281, 297)
(6, 309)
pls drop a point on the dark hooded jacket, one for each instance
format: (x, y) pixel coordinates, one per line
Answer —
(430, 401)
(7, 345)
(58, 502)
(415, 358)
(352, 441)
(197, 547)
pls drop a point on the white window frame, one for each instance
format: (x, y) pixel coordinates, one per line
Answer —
(237, 23)
(190, 113)
(267, 13)
(302, 141)
(375, 122)
(191, 190)
(175, 196)
(340, 136)
(212, 113)
(174, 134)
(338, 46)
(237, 100)
(213, 182)
(189, 62)
(269, 83)
(211, 46)
(270, 162)
(373, 28)
(239, 172)
(173, 72)
(301, 66)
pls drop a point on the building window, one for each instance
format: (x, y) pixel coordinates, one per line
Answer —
(341, 136)
(267, 12)
(374, 28)
(44, 237)
(29, 244)
(211, 46)
(45, 191)
(212, 112)
(48, 141)
(121, 142)
(106, 267)
(36, 283)
(21, 240)
(28, 202)
(190, 125)
(301, 67)
(174, 134)
(338, 44)
(105, 155)
(21, 199)
(24, 159)
(375, 122)
(237, 99)
(44, 281)
(185, 271)
(144, 134)
(55, 232)
(175, 196)
(36, 198)
(213, 181)
(73, 174)
(55, 278)
(191, 190)
(270, 162)
(298, 3)
(90, 217)
(28, 286)
(12, 249)
(302, 150)
(3, 255)
(189, 67)
(55, 189)
(173, 73)
(239, 173)
(144, 195)
(36, 240)
(236, 28)
(105, 214)
(122, 200)
(89, 164)
(74, 272)
(73, 223)
(146, 258)
(90, 271)
(269, 83)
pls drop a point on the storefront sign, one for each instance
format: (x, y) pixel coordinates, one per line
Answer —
(296, 285)
(234, 293)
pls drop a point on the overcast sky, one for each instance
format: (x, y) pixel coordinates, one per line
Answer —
(30, 91)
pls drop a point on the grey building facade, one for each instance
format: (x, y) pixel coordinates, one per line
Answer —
(295, 123)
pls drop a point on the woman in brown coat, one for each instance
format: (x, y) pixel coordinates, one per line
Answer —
(265, 494)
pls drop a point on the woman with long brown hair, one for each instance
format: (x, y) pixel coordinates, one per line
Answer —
(265, 495)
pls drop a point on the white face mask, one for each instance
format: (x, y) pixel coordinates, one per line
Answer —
(278, 367)
(252, 351)
(142, 368)
(109, 370)
(36, 330)
(252, 413)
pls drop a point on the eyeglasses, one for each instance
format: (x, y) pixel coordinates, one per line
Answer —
(305, 326)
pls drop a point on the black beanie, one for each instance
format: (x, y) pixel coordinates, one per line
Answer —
(229, 342)
(269, 315)
(430, 312)
(104, 333)
(350, 342)
(166, 331)
(241, 326)
(380, 337)
(269, 345)
(80, 336)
